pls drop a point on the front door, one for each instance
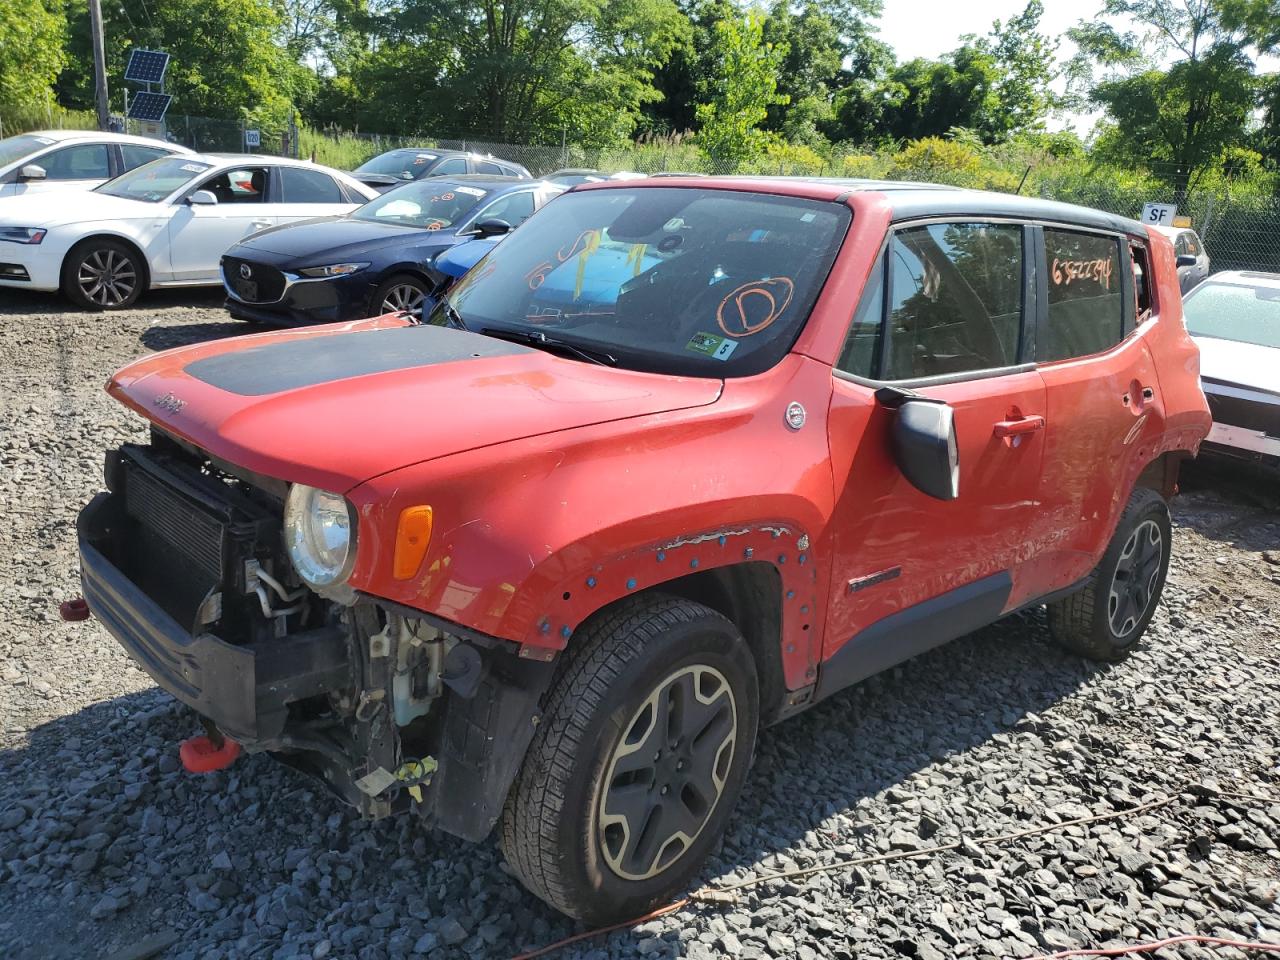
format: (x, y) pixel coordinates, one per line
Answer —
(199, 234)
(911, 571)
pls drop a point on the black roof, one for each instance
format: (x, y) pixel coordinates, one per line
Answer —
(910, 203)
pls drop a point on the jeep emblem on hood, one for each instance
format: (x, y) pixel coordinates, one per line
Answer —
(170, 402)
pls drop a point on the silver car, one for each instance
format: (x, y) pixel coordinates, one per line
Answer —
(1193, 261)
(1234, 317)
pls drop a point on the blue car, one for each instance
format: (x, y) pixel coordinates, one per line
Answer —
(378, 258)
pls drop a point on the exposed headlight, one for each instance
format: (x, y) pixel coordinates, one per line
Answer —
(28, 235)
(319, 533)
(333, 270)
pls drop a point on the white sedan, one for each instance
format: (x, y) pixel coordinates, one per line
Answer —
(49, 160)
(165, 224)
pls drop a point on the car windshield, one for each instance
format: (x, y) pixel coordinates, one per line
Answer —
(670, 280)
(432, 205)
(13, 149)
(1232, 312)
(401, 164)
(154, 181)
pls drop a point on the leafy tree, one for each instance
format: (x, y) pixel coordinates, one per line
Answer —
(226, 61)
(1024, 61)
(31, 55)
(1176, 121)
(738, 101)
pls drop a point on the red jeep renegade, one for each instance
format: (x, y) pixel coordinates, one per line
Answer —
(679, 458)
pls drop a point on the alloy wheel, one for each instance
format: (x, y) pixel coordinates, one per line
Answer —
(403, 296)
(1134, 582)
(107, 277)
(667, 772)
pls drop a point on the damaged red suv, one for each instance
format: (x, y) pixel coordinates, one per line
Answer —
(678, 459)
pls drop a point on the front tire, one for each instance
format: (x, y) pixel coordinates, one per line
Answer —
(103, 275)
(1106, 619)
(400, 293)
(638, 761)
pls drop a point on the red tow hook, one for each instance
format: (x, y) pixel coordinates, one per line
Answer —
(73, 611)
(208, 752)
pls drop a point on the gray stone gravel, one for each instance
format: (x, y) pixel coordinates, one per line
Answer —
(106, 844)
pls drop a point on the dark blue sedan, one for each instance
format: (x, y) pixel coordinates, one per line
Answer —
(376, 259)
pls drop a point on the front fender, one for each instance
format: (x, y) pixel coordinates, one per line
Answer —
(532, 537)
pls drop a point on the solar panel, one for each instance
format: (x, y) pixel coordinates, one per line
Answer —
(148, 106)
(146, 66)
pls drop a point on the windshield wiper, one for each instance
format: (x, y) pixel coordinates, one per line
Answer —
(450, 313)
(536, 338)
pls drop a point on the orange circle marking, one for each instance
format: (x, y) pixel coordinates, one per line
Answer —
(776, 293)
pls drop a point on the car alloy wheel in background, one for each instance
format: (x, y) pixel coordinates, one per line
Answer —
(402, 296)
(102, 275)
(667, 772)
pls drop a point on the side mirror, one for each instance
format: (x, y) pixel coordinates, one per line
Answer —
(924, 443)
(1186, 260)
(32, 171)
(492, 228)
(202, 198)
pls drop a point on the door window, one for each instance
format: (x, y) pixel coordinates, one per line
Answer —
(955, 299)
(1192, 243)
(86, 161)
(308, 186)
(862, 345)
(514, 208)
(452, 165)
(136, 156)
(248, 185)
(484, 166)
(1086, 313)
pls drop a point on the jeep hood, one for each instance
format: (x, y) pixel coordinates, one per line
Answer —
(335, 406)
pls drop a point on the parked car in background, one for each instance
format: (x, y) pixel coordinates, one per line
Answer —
(678, 459)
(573, 177)
(1193, 260)
(1235, 318)
(390, 169)
(52, 160)
(375, 259)
(163, 224)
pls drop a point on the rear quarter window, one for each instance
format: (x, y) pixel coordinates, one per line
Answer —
(1086, 301)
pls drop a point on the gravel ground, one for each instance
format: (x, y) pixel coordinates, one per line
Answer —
(106, 845)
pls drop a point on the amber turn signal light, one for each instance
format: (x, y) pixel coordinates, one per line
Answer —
(413, 536)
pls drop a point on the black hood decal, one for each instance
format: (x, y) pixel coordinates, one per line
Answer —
(276, 367)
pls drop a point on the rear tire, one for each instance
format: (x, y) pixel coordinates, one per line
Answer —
(1106, 619)
(638, 761)
(103, 274)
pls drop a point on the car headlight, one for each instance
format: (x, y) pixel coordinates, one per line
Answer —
(319, 533)
(333, 270)
(29, 235)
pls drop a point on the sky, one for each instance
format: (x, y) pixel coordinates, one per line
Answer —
(930, 28)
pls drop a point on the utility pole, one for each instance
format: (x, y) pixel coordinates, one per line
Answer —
(99, 65)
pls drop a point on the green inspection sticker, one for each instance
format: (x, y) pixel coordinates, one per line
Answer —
(712, 345)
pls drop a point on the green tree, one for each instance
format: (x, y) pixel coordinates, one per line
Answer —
(227, 60)
(1025, 66)
(31, 55)
(737, 102)
(1178, 121)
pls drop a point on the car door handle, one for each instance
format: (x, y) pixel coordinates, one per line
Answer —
(1017, 428)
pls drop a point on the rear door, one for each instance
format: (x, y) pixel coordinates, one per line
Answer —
(302, 193)
(952, 327)
(1104, 404)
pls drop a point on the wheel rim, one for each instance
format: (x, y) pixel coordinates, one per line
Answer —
(1134, 584)
(403, 296)
(667, 772)
(107, 278)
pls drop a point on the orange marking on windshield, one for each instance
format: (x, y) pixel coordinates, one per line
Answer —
(775, 291)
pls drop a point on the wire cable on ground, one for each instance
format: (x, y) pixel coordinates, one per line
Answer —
(1159, 944)
(728, 893)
